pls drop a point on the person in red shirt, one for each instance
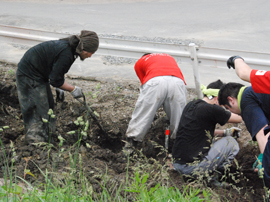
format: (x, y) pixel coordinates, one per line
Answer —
(259, 79)
(162, 84)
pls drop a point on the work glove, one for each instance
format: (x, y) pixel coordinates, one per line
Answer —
(60, 95)
(257, 165)
(230, 61)
(77, 92)
(233, 131)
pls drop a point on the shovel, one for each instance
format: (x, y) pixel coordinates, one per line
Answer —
(92, 114)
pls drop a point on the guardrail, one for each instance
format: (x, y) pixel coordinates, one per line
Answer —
(192, 54)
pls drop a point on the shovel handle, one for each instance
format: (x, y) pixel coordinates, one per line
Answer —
(90, 112)
(82, 101)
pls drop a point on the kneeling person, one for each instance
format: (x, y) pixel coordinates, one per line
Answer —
(194, 150)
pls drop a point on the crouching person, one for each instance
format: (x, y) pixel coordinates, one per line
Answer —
(162, 84)
(195, 152)
(43, 66)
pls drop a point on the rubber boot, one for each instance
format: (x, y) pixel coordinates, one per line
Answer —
(36, 133)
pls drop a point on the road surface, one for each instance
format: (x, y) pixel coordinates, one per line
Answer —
(238, 25)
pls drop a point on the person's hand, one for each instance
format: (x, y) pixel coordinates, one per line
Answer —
(266, 130)
(77, 92)
(230, 61)
(233, 131)
(257, 165)
(60, 95)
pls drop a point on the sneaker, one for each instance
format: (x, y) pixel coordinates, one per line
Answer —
(129, 146)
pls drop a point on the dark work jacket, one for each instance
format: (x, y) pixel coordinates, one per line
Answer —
(48, 62)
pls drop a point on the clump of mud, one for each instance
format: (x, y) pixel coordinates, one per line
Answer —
(101, 153)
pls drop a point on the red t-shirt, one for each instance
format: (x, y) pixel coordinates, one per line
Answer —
(157, 64)
(260, 81)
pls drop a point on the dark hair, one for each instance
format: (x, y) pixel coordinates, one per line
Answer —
(215, 85)
(228, 90)
(146, 54)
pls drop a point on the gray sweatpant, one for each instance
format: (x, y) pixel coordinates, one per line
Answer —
(220, 154)
(168, 91)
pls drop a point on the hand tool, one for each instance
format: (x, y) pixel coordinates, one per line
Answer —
(91, 112)
(167, 136)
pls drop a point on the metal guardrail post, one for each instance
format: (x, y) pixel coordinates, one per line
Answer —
(193, 55)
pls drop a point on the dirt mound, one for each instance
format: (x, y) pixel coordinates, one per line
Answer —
(98, 153)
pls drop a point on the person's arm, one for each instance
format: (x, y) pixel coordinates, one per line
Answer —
(235, 118)
(242, 69)
(60, 92)
(218, 133)
(67, 87)
(76, 91)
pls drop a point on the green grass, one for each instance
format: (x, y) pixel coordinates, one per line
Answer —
(71, 193)
(145, 181)
(135, 189)
(136, 186)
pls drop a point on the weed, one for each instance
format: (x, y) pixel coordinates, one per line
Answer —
(98, 86)
(95, 94)
(11, 72)
(89, 94)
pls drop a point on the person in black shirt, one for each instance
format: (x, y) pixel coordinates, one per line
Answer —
(41, 66)
(194, 150)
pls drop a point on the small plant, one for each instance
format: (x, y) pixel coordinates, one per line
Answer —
(253, 143)
(89, 93)
(27, 171)
(11, 72)
(163, 193)
(95, 94)
(3, 127)
(98, 86)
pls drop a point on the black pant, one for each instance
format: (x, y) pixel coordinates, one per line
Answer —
(35, 99)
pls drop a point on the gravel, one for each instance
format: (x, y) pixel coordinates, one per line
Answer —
(112, 60)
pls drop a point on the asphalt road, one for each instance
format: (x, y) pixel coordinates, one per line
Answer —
(239, 25)
(229, 24)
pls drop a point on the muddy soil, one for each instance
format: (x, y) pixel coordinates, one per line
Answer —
(101, 154)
